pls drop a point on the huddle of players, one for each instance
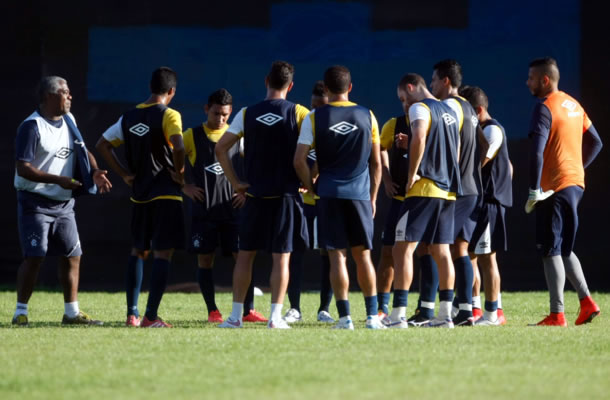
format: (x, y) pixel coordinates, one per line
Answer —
(445, 163)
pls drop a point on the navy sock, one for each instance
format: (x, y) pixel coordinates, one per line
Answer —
(158, 282)
(294, 284)
(429, 279)
(205, 277)
(491, 305)
(343, 308)
(456, 302)
(464, 277)
(371, 305)
(133, 283)
(445, 295)
(326, 290)
(383, 300)
(249, 300)
(400, 298)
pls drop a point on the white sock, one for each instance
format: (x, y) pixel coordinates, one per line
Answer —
(476, 301)
(499, 300)
(444, 310)
(398, 313)
(465, 307)
(490, 315)
(276, 311)
(71, 309)
(22, 309)
(237, 311)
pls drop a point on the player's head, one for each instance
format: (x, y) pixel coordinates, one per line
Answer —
(218, 108)
(543, 76)
(410, 89)
(447, 74)
(318, 95)
(338, 80)
(476, 97)
(280, 76)
(163, 82)
(54, 95)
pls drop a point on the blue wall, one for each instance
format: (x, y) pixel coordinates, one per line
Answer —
(494, 50)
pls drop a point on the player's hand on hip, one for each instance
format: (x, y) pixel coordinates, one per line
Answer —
(239, 199)
(536, 195)
(128, 179)
(177, 177)
(69, 183)
(412, 181)
(193, 192)
(241, 187)
(391, 188)
(101, 181)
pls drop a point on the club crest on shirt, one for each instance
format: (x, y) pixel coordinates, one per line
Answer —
(343, 128)
(215, 169)
(139, 129)
(269, 119)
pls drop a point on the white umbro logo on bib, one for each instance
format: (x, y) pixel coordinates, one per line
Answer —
(474, 120)
(312, 155)
(215, 168)
(269, 119)
(139, 129)
(343, 128)
(570, 105)
(449, 120)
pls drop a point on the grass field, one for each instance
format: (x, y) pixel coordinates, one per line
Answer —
(197, 360)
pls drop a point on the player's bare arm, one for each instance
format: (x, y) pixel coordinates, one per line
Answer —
(99, 175)
(375, 173)
(178, 155)
(106, 150)
(222, 155)
(301, 167)
(419, 129)
(31, 173)
(390, 187)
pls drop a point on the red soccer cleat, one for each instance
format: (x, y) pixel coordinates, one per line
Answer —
(155, 323)
(478, 313)
(254, 316)
(554, 319)
(501, 317)
(132, 320)
(215, 316)
(588, 311)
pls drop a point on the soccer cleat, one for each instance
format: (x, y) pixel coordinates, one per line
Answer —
(80, 319)
(487, 322)
(381, 315)
(20, 320)
(463, 320)
(279, 324)
(439, 323)
(588, 311)
(386, 320)
(155, 323)
(418, 320)
(324, 316)
(345, 324)
(215, 316)
(553, 319)
(231, 323)
(373, 322)
(454, 312)
(132, 320)
(477, 313)
(254, 316)
(501, 317)
(400, 324)
(293, 315)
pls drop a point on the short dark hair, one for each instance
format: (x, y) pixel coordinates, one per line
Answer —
(337, 79)
(548, 66)
(475, 96)
(221, 97)
(280, 75)
(411, 79)
(318, 89)
(449, 69)
(162, 80)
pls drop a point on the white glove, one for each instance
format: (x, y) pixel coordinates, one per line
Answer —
(535, 196)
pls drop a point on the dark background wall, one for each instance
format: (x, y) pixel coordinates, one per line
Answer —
(107, 50)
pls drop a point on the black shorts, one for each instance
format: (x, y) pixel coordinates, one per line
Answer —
(158, 224)
(489, 235)
(344, 223)
(426, 219)
(206, 235)
(465, 217)
(312, 224)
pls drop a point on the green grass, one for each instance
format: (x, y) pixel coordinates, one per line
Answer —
(197, 360)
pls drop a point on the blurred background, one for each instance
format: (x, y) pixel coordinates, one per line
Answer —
(107, 51)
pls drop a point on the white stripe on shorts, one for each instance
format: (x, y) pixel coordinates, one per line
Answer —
(484, 243)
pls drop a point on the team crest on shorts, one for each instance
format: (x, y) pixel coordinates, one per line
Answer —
(197, 241)
(34, 240)
(269, 119)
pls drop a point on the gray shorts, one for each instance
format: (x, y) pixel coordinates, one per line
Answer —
(46, 227)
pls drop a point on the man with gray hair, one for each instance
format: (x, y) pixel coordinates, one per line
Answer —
(52, 167)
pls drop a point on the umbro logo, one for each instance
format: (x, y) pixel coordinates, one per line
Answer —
(343, 128)
(63, 153)
(269, 119)
(474, 120)
(570, 105)
(139, 129)
(312, 155)
(215, 168)
(449, 120)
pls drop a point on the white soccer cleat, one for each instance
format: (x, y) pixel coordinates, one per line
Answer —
(386, 320)
(400, 324)
(231, 323)
(346, 323)
(324, 316)
(439, 323)
(373, 322)
(486, 322)
(293, 315)
(278, 324)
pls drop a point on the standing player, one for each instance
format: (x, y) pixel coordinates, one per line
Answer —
(318, 99)
(215, 204)
(152, 133)
(272, 218)
(446, 79)
(432, 186)
(346, 139)
(563, 143)
(489, 235)
(47, 161)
